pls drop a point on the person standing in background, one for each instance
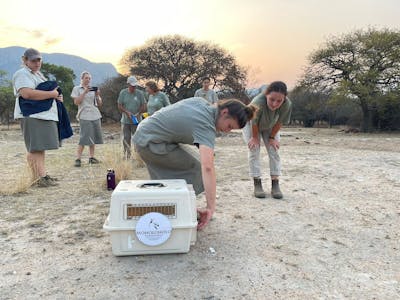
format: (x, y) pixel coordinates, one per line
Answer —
(39, 129)
(131, 103)
(274, 110)
(88, 100)
(157, 99)
(205, 92)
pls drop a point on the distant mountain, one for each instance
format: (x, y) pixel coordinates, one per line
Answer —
(10, 61)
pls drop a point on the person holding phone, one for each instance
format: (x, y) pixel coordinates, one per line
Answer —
(88, 100)
(131, 103)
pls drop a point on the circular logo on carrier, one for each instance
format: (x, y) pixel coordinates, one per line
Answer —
(153, 229)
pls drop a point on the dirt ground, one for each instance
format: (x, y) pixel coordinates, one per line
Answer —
(335, 235)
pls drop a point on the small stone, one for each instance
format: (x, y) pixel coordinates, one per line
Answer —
(28, 273)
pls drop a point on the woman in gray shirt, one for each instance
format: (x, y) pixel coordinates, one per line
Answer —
(160, 141)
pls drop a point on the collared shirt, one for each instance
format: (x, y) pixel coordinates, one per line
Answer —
(156, 102)
(209, 95)
(190, 121)
(131, 102)
(266, 118)
(87, 109)
(25, 78)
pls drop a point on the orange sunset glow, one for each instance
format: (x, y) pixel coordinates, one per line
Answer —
(271, 37)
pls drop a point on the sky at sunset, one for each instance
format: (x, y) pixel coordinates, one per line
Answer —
(271, 37)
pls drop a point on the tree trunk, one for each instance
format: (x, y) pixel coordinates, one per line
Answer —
(366, 125)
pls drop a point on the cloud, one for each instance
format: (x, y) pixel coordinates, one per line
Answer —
(38, 35)
(52, 41)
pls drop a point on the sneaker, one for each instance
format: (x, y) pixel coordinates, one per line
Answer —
(45, 181)
(77, 163)
(93, 160)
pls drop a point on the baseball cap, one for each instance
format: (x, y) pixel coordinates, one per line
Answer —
(32, 54)
(132, 81)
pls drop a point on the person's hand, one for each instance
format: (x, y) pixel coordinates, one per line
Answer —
(128, 114)
(274, 143)
(97, 92)
(205, 215)
(60, 98)
(55, 93)
(253, 143)
(86, 89)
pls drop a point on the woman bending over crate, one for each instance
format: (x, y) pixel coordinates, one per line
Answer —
(161, 140)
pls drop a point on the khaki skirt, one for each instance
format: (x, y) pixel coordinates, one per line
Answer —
(39, 135)
(90, 132)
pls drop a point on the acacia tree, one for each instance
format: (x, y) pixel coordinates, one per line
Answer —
(7, 98)
(362, 66)
(178, 64)
(110, 90)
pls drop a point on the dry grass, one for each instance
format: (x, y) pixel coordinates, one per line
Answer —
(113, 159)
(19, 183)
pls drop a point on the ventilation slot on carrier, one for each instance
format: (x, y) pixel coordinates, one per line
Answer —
(136, 211)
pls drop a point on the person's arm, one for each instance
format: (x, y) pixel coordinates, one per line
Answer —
(124, 111)
(143, 106)
(271, 140)
(79, 99)
(275, 130)
(210, 185)
(99, 100)
(31, 94)
(255, 136)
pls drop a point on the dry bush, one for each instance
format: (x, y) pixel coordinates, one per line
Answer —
(19, 183)
(113, 159)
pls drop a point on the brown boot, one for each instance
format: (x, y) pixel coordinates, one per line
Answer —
(275, 190)
(258, 189)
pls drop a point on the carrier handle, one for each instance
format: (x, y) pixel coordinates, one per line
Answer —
(152, 185)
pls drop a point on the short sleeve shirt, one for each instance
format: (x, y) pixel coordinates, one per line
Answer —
(190, 121)
(131, 102)
(25, 78)
(266, 118)
(209, 95)
(87, 110)
(156, 102)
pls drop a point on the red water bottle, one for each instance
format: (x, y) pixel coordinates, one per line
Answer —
(110, 179)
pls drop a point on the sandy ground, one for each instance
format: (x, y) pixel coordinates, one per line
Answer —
(335, 235)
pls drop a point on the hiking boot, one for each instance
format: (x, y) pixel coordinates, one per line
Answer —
(258, 190)
(77, 163)
(93, 161)
(45, 182)
(275, 190)
(53, 179)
